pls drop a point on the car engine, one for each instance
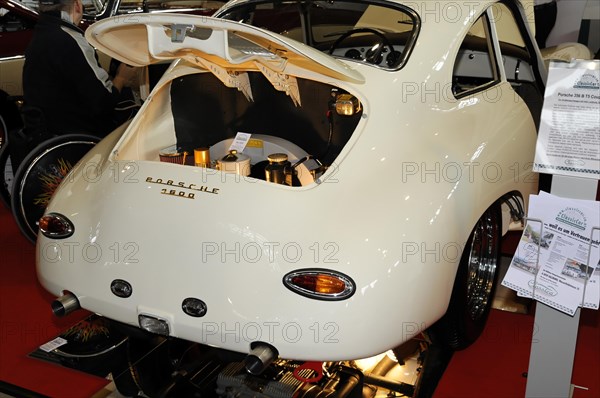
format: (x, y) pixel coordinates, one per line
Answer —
(157, 366)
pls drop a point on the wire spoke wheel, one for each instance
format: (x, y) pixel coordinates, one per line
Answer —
(475, 283)
(482, 264)
(6, 175)
(40, 173)
(3, 132)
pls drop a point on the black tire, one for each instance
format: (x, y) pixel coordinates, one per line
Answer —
(39, 175)
(10, 117)
(475, 283)
(6, 175)
(3, 132)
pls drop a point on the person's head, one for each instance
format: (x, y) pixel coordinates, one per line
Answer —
(72, 7)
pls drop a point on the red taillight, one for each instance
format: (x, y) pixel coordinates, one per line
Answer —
(56, 226)
(320, 284)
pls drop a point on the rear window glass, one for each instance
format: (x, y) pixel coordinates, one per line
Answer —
(369, 32)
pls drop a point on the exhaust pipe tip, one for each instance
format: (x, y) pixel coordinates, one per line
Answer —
(65, 304)
(259, 358)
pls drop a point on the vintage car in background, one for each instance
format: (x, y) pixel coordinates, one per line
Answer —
(18, 18)
(308, 181)
(17, 21)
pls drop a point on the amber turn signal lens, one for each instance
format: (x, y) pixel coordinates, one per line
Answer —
(320, 284)
(56, 226)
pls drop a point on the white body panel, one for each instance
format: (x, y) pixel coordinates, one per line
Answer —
(393, 214)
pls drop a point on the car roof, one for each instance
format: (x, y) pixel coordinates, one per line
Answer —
(19, 8)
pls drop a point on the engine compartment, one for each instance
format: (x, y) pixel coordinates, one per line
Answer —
(198, 112)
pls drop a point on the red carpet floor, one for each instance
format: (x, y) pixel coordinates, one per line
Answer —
(26, 322)
(492, 367)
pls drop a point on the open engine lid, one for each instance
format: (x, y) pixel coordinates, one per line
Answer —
(220, 45)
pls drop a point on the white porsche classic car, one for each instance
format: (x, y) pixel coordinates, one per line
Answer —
(309, 180)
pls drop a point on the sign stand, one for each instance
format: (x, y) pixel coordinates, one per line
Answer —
(555, 333)
(567, 147)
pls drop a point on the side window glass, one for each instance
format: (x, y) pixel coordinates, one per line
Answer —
(475, 66)
(516, 57)
(3, 12)
(10, 22)
(517, 60)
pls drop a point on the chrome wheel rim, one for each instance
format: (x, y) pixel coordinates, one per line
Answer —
(482, 266)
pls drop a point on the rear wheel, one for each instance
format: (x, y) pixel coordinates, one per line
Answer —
(475, 283)
(40, 173)
(3, 132)
(6, 175)
(10, 117)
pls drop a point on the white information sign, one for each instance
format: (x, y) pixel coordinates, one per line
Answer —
(569, 136)
(554, 264)
(53, 345)
(240, 141)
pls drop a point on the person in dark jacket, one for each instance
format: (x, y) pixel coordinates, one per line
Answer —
(63, 79)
